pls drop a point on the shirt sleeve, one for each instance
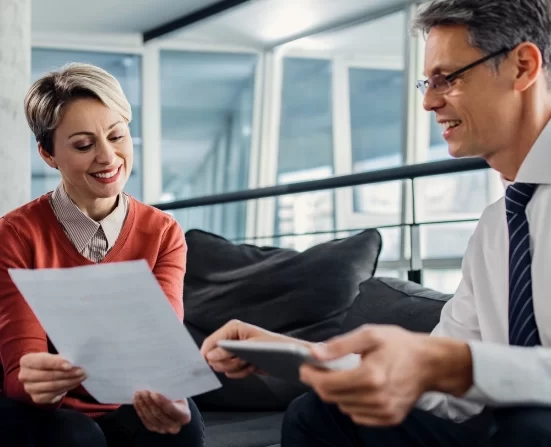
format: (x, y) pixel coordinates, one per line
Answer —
(458, 320)
(20, 331)
(170, 267)
(510, 375)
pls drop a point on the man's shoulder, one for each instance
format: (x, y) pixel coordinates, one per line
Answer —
(495, 212)
(490, 226)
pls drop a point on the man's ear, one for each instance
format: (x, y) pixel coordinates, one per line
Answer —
(47, 157)
(529, 65)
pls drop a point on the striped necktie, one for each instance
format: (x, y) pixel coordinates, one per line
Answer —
(522, 322)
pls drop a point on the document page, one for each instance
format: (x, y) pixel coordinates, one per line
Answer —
(114, 321)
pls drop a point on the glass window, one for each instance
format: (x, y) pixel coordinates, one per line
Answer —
(305, 150)
(442, 280)
(127, 69)
(207, 106)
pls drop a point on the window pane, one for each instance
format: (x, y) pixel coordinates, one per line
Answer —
(388, 273)
(444, 281)
(450, 198)
(207, 103)
(305, 149)
(377, 110)
(127, 69)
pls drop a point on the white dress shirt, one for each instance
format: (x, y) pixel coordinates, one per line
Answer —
(479, 312)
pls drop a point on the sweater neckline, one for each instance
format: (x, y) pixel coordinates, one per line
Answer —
(68, 246)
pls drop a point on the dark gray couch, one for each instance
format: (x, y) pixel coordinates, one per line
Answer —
(322, 292)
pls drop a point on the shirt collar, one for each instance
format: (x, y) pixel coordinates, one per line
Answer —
(536, 166)
(81, 228)
(112, 224)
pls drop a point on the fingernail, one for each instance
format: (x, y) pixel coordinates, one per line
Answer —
(66, 366)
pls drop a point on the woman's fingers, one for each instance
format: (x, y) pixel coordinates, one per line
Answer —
(55, 387)
(47, 398)
(44, 361)
(38, 375)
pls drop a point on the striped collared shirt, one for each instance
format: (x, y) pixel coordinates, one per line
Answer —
(92, 239)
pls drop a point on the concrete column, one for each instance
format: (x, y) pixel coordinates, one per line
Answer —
(15, 75)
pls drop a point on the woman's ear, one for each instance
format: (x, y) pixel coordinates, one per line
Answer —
(47, 157)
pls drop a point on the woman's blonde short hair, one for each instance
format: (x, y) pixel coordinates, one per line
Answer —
(49, 95)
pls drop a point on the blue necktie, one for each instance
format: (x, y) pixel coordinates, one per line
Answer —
(522, 322)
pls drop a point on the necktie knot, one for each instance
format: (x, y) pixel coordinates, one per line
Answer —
(517, 197)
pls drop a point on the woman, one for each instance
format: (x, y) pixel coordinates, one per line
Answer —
(80, 118)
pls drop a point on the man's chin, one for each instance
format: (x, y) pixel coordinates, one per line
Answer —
(461, 151)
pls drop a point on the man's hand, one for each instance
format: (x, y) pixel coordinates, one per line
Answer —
(397, 368)
(223, 361)
(48, 377)
(161, 415)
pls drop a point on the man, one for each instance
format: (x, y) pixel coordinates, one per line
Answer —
(487, 65)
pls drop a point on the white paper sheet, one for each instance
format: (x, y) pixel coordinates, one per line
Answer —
(115, 322)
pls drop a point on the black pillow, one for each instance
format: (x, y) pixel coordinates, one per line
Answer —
(396, 302)
(303, 294)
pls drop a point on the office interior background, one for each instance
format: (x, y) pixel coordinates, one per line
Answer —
(250, 94)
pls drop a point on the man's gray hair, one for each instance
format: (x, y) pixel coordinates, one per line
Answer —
(493, 24)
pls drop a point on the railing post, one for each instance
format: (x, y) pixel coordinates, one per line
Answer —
(415, 272)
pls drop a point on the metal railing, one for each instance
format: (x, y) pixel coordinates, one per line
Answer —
(407, 172)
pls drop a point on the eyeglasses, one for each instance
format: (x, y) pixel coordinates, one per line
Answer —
(441, 84)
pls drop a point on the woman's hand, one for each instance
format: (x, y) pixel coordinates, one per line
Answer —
(223, 361)
(48, 377)
(161, 415)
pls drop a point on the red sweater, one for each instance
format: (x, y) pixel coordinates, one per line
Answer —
(31, 237)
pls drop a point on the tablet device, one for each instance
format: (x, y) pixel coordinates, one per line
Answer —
(283, 359)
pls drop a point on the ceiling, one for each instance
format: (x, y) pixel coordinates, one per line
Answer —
(256, 23)
(198, 92)
(262, 23)
(108, 16)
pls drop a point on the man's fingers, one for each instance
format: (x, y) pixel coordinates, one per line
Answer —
(44, 361)
(229, 331)
(242, 373)
(218, 355)
(359, 341)
(333, 381)
(232, 365)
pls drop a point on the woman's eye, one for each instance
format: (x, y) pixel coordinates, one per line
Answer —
(83, 148)
(117, 137)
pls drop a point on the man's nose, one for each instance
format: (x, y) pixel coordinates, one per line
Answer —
(433, 101)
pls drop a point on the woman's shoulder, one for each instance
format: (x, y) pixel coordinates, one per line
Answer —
(25, 213)
(150, 214)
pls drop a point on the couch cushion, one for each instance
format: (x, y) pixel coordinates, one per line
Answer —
(242, 429)
(397, 302)
(305, 294)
